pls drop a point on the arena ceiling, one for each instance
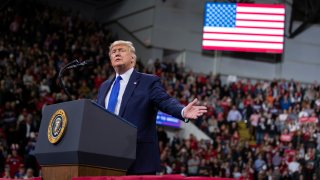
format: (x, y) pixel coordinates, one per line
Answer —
(100, 2)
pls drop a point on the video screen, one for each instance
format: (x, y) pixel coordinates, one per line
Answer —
(164, 119)
(244, 27)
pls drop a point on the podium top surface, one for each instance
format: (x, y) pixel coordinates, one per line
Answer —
(98, 105)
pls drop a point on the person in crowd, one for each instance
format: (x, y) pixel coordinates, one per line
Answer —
(234, 115)
(29, 174)
(193, 164)
(21, 173)
(6, 173)
(14, 161)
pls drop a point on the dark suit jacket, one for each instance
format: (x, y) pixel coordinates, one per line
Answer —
(143, 97)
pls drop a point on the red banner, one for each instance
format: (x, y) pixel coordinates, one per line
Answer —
(37, 178)
(286, 137)
(146, 177)
(308, 120)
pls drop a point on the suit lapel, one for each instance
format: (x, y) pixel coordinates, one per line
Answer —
(133, 82)
(108, 85)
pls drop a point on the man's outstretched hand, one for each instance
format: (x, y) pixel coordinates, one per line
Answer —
(192, 111)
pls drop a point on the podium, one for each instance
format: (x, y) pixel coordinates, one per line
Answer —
(81, 138)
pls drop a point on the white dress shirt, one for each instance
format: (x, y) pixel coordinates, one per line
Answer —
(123, 84)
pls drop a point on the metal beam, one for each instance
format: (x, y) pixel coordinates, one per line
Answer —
(311, 11)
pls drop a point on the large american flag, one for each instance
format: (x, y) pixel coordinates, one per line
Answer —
(244, 27)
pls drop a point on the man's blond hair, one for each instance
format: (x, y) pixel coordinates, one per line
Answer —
(129, 44)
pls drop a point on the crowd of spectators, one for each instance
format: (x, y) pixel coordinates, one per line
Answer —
(36, 41)
(281, 116)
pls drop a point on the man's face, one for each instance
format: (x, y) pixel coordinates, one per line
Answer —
(121, 58)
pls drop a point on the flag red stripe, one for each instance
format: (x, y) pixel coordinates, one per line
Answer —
(261, 13)
(264, 50)
(243, 33)
(260, 20)
(280, 6)
(242, 40)
(260, 27)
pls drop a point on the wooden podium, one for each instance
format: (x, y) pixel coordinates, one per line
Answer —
(81, 138)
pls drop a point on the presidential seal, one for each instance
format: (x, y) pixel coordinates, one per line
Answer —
(57, 126)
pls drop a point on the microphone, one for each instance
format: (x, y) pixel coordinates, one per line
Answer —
(71, 63)
(83, 63)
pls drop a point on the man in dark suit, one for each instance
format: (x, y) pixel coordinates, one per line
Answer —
(137, 97)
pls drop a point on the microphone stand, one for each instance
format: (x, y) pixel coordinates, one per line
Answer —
(62, 70)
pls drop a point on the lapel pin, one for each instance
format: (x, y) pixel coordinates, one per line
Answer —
(135, 83)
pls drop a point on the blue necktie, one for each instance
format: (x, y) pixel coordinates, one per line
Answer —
(114, 95)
